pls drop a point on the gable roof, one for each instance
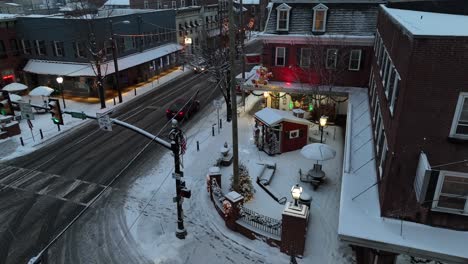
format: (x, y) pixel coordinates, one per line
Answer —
(273, 117)
(342, 19)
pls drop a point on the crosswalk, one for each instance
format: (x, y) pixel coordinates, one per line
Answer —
(46, 184)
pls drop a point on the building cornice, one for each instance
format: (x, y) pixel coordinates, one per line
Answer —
(320, 40)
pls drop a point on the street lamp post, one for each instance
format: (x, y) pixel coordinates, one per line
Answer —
(323, 123)
(60, 81)
(296, 192)
(114, 55)
(266, 94)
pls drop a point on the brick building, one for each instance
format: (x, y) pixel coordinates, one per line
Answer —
(10, 55)
(416, 119)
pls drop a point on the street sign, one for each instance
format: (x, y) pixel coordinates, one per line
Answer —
(26, 111)
(104, 122)
(218, 104)
(81, 115)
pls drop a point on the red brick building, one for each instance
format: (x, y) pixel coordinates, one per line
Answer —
(10, 56)
(419, 103)
(320, 42)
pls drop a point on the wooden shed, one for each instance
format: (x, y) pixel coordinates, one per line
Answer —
(278, 131)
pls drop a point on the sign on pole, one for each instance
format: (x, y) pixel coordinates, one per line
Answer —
(26, 111)
(218, 104)
(104, 122)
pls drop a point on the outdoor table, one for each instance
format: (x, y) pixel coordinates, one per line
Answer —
(316, 172)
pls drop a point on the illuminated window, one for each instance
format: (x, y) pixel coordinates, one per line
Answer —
(282, 21)
(320, 18)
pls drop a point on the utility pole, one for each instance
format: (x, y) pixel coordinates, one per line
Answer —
(97, 55)
(242, 35)
(232, 55)
(116, 64)
(228, 94)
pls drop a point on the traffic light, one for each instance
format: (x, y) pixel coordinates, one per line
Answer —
(54, 108)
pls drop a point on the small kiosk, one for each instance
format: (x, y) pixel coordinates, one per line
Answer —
(278, 131)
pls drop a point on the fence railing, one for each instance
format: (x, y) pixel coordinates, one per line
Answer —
(261, 222)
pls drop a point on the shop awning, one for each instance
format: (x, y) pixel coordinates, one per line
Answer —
(87, 69)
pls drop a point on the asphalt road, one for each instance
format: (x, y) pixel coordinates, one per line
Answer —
(44, 191)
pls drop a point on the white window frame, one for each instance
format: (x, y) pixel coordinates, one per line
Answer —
(276, 56)
(78, 53)
(145, 4)
(294, 134)
(26, 50)
(182, 3)
(438, 190)
(282, 8)
(38, 47)
(383, 155)
(302, 58)
(57, 48)
(158, 5)
(396, 85)
(351, 59)
(174, 4)
(320, 8)
(335, 59)
(456, 118)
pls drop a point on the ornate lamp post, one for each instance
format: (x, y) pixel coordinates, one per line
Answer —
(323, 123)
(60, 81)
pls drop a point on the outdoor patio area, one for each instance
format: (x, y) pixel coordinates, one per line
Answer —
(321, 247)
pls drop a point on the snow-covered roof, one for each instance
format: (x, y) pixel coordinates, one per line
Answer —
(12, 4)
(359, 204)
(428, 23)
(85, 69)
(7, 16)
(117, 3)
(272, 117)
(248, 2)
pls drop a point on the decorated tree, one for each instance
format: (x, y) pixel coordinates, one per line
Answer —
(245, 183)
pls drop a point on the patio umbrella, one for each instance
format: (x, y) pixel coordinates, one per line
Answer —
(41, 91)
(15, 98)
(318, 152)
(14, 87)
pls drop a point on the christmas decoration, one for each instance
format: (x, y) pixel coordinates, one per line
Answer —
(245, 183)
(263, 75)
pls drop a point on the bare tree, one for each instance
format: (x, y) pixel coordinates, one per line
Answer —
(321, 64)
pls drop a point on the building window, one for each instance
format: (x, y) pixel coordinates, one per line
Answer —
(182, 3)
(380, 53)
(394, 91)
(79, 50)
(282, 21)
(194, 2)
(355, 60)
(40, 47)
(26, 45)
(58, 48)
(3, 53)
(158, 5)
(320, 18)
(376, 43)
(450, 195)
(174, 4)
(14, 47)
(146, 4)
(280, 56)
(332, 57)
(294, 134)
(305, 57)
(460, 120)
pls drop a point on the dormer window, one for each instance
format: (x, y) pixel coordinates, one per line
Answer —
(282, 21)
(320, 18)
